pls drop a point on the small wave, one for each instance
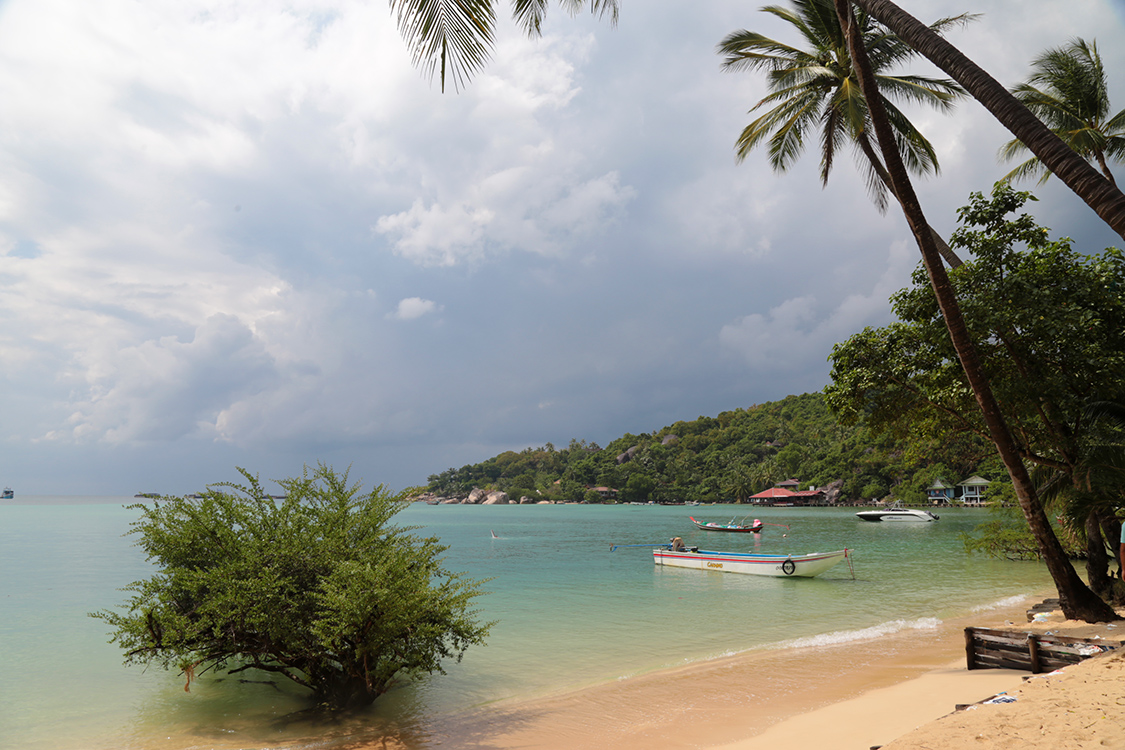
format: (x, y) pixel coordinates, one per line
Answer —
(866, 634)
(823, 639)
(1011, 601)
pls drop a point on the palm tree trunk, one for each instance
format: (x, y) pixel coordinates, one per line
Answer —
(1097, 561)
(1098, 193)
(942, 246)
(1100, 156)
(1075, 598)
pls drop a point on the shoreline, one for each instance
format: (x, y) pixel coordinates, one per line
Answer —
(858, 694)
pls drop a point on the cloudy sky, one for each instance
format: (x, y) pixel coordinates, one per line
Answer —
(249, 233)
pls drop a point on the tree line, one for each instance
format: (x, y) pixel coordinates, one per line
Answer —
(731, 456)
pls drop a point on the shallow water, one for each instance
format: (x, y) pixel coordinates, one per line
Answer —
(569, 614)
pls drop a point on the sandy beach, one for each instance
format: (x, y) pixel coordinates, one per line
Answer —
(899, 691)
(1076, 707)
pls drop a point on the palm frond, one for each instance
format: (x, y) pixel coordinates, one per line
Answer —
(788, 122)
(832, 132)
(599, 8)
(868, 161)
(918, 154)
(1115, 148)
(1068, 92)
(1116, 124)
(748, 50)
(940, 93)
(451, 38)
(529, 15)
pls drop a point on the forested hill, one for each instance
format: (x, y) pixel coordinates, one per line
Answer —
(728, 458)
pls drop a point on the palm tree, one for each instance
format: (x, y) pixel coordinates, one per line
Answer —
(456, 35)
(1087, 494)
(454, 38)
(1076, 598)
(815, 89)
(1097, 192)
(1067, 91)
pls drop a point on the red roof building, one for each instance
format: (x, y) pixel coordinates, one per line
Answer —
(772, 495)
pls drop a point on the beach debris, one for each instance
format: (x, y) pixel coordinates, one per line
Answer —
(1036, 652)
(1002, 698)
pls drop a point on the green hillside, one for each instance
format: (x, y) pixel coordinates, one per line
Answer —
(728, 458)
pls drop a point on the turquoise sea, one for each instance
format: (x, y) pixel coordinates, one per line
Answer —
(569, 613)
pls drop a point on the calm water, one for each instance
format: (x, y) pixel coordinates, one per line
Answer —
(569, 614)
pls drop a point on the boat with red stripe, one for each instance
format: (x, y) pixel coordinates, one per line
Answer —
(750, 563)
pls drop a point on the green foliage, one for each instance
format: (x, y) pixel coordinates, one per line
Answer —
(1048, 322)
(1049, 325)
(1004, 536)
(592, 497)
(638, 488)
(729, 457)
(318, 588)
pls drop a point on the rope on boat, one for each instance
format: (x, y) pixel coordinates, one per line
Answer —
(849, 559)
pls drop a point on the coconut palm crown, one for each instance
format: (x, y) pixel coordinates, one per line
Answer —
(1067, 91)
(454, 38)
(815, 89)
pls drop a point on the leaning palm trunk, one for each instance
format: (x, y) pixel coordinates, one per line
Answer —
(1098, 193)
(942, 246)
(1076, 599)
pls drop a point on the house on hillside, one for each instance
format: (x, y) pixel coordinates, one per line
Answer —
(608, 493)
(809, 497)
(972, 491)
(940, 493)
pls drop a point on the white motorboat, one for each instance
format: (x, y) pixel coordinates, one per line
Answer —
(896, 513)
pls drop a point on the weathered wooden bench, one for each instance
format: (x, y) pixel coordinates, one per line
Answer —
(1035, 652)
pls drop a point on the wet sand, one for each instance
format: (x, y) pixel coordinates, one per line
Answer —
(793, 697)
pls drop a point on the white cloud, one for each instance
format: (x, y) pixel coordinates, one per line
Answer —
(527, 209)
(412, 308)
(166, 389)
(798, 333)
(209, 208)
(438, 236)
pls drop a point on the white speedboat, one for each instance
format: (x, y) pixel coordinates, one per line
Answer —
(896, 513)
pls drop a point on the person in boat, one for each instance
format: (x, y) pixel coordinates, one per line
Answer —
(678, 544)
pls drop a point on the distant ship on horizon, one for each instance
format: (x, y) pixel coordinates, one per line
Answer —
(8, 494)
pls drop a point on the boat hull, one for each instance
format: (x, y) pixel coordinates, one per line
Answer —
(737, 528)
(775, 566)
(878, 516)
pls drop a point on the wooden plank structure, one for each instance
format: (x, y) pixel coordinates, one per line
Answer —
(1047, 605)
(1035, 652)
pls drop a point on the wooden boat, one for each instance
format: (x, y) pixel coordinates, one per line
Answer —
(755, 527)
(777, 566)
(732, 526)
